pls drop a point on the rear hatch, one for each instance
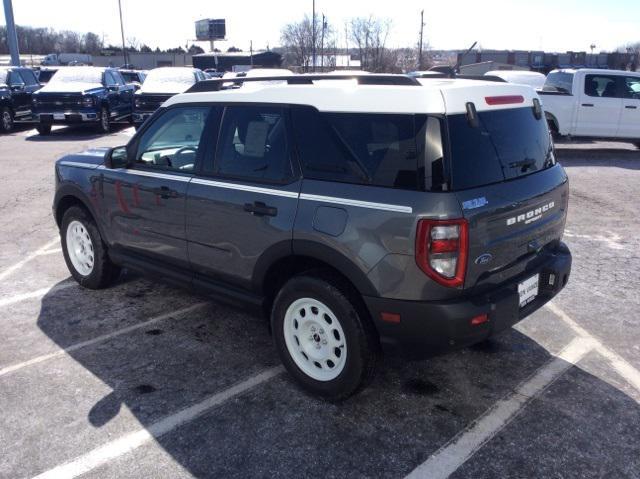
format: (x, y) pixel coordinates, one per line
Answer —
(504, 174)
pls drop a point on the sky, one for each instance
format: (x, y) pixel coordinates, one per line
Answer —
(551, 25)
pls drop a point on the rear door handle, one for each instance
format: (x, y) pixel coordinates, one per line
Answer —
(588, 104)
(630, 107)
(258, 208)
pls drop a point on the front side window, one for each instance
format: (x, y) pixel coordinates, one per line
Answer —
(561, 82)
(15, 79)
(172, 141)
(109, 80)
(603, 86)
(28, 77)
(253, 144)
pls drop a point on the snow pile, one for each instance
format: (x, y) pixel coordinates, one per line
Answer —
(168, 80)
(74, 79)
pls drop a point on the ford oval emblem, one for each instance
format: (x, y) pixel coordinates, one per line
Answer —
(484, 258)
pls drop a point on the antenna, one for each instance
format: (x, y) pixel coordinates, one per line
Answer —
(456, 68)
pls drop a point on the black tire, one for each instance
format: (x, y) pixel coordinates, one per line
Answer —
(104, 123)
(44, 129)
(362, 346)
(104, 272)
(6, 119)
(637, 143)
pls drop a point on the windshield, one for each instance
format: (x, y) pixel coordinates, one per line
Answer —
(507, 144)
(168, 80)
(129, 76)
(561, 82)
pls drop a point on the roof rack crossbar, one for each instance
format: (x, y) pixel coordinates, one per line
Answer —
(217, 83)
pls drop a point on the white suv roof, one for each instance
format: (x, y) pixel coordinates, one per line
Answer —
(434, 96)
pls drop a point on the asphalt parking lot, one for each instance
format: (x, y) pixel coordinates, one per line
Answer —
(145, 380)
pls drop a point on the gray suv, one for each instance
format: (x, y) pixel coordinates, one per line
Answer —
(360, 214)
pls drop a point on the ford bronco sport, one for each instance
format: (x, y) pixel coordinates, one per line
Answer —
(361, 214)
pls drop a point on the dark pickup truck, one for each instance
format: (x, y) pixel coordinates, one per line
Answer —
(83, 95)
(17, 84)
(160, 85)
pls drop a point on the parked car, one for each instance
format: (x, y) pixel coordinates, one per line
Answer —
(377, 214)
(83, 95)
(134, 77)
(160, 85)
(593, 103)
(534, 79)
(17, 85)
(67, 59)
(45, 74)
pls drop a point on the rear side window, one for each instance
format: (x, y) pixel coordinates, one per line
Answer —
(361, 148)
(632, 87)
(561, 82)
(253, 144)
(603, 86)
(507, 144)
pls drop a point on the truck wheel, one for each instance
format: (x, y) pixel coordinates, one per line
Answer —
(44, 129)
(637, 143)
(6, 119)
(323, 338)
(105, 121)
(84, 251)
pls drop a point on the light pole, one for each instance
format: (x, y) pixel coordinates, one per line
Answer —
(124, 49)
(313, 36)
(12, 37)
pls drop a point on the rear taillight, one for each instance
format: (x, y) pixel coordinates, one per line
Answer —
(441, 250)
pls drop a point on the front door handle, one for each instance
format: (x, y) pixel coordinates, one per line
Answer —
(630, 107)
(588, 104)
(164, 192)
(258, 208)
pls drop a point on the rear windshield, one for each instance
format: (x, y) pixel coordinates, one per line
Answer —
(507, 144)
(45, 75)
(560, 82)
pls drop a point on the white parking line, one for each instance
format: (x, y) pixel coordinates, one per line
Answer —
(39, 293)
(617, 362)
(98, 339)
(28, 258)
(461, 447)
(134, 440)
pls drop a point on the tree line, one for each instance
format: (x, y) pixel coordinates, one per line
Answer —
(364, 38)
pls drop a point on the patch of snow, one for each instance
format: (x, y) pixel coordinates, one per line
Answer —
(168, 80)
(73, 79)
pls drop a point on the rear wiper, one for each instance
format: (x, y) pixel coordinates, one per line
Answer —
(524, 164)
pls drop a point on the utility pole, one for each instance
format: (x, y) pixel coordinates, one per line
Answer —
(420, 43)
(324, 26)
(313, 36)
(124, 48)
(12, 37)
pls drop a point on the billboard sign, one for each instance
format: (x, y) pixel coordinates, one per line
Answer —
(211, 29)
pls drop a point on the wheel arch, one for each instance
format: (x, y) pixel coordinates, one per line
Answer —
(284, 260)
(552, 121)
(68, 196)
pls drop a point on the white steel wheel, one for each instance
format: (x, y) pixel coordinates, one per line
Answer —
(315, 339)
(7, 120)
(80, 248)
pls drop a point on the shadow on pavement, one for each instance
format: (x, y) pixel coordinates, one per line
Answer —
(74, 133)
(275, 430)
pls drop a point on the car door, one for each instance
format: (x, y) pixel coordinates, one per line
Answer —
(242, 203)
(145, 203)
(125, 94)
(630, 115)
(599, 106)
(20, 97)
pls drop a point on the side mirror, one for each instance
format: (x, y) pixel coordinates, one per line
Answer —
(117, 158)
(136, 85)
(17, 87)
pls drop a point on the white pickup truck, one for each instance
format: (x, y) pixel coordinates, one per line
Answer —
(593, 103)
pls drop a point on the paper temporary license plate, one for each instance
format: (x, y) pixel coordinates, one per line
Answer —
(528, 290)
(58, 116)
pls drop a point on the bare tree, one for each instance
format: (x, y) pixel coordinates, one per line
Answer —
(297, 39)
(369, 34)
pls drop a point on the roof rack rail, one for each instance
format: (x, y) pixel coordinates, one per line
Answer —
(368, 79)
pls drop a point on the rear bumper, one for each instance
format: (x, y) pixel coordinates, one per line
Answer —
(428, 328)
